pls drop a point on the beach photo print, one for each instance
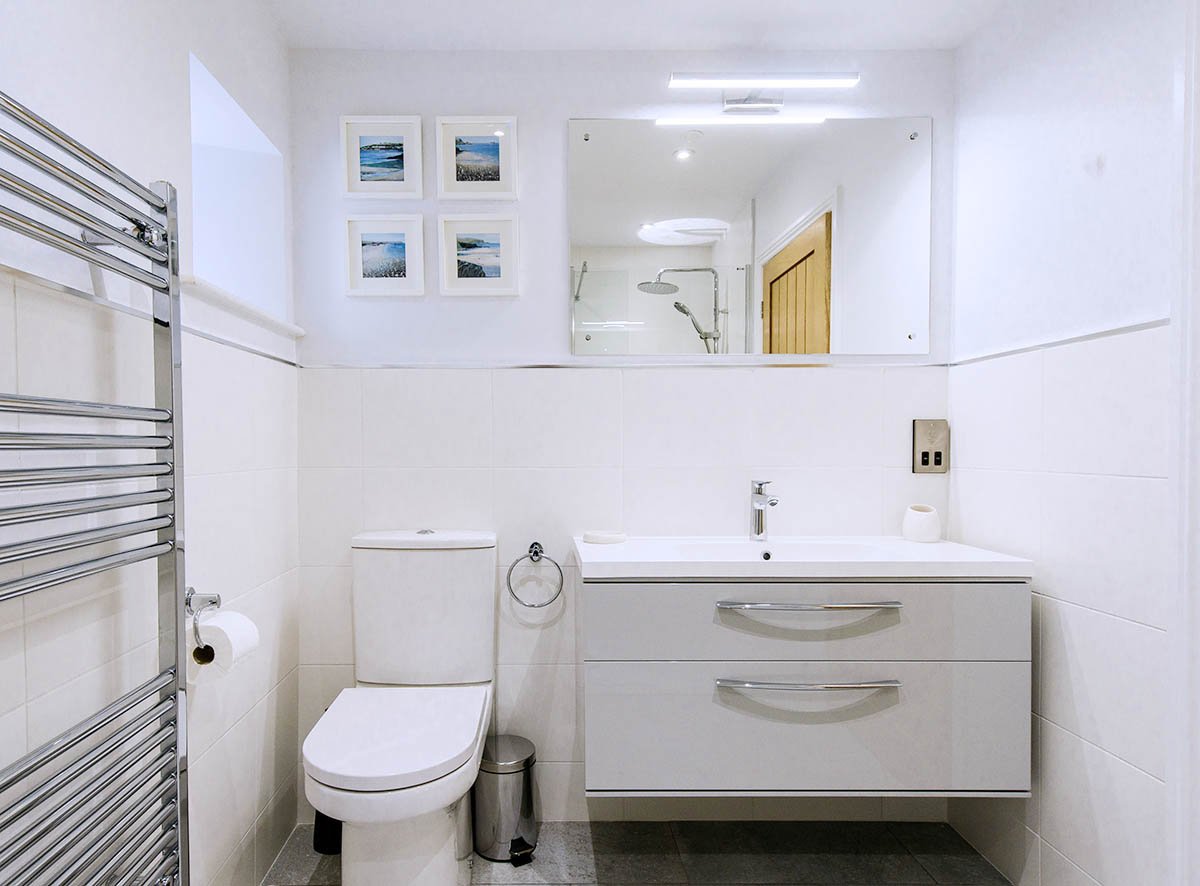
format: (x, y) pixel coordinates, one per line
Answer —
(382, 156)
(385, 255)
(477, 158)
(479, 254)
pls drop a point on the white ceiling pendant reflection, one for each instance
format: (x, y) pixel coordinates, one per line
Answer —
(684, 232)
(844, 80)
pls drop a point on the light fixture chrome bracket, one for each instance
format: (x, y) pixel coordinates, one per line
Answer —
(753, 102)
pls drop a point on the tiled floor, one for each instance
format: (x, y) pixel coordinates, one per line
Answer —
(842, 853)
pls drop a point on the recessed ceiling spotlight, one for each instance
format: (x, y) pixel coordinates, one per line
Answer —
(763, 81)
(684, 154)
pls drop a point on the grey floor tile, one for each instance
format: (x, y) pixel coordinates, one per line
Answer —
(636, 852)
(947, 857)
(563, 856)
(299, 865)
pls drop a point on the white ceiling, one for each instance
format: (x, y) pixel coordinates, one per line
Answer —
(630, 24)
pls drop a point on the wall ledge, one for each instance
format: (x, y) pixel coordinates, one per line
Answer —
(202, 290)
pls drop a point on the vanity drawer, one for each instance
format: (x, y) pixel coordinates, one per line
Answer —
(668, 727)
(825, 621)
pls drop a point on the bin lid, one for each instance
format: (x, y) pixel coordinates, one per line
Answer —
(506, 753)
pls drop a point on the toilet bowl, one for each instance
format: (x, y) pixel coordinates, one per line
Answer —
(394, 757)
(394, 765)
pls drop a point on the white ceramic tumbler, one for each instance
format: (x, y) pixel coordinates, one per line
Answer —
(922, 523)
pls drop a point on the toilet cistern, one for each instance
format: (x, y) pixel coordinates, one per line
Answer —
(759, 502)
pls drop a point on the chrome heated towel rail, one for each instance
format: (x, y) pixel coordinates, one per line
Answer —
(105, 802)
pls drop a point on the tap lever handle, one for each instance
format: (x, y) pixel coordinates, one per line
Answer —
(759, 487)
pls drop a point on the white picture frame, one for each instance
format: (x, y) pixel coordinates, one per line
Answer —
(491, 144)
(362, 251)
(486, 242)
(378, 176)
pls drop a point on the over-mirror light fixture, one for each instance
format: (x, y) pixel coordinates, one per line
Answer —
(739, 120)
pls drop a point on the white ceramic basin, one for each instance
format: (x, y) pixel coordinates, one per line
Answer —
(793, 557)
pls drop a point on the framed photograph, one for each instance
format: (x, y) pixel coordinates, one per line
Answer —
(382, 156)
(479, 254)
(477, 158)
(385, 255)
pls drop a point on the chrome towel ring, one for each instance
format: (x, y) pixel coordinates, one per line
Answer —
(536, 554)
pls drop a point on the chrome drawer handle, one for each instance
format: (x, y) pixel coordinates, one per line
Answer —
(725, 683)
(808, 607)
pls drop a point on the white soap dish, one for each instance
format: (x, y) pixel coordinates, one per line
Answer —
(603, 537)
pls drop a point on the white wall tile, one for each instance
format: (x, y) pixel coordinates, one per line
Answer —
(914, 809)
(97, 353)
(910, 392)
(273, 828)
(537, 636)
(274, 500)
(427, 418)
(819, 501)
(219, 410)
(1001, 838)
(901, 488)
(238, 869)
(8, 335)
(1100, 812)
(275, 722)
(557, 417)
(1107, 544)
(12, 736)
(551, 505)
(225, 810)
(219, 515)
(996, 413)
(540, 702)
(814, 416)
(319, 686)
(331, 418)
(561, 788)
(1116, 701)
(686, 417)
(326, 615)
(815, 808)
(686, 501)
(275, 389)
(999, 511)
(12, 656)
(75, 628)
(435, 498)
(1057, 870)
(331, 513)
(1108, 405)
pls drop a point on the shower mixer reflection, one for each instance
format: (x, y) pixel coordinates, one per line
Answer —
(659, 286)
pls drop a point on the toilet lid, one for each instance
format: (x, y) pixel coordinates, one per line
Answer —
(386, 738)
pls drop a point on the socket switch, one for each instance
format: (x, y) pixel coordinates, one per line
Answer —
(931, 446)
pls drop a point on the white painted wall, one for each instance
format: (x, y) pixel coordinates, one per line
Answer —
(117, 79)
(877, 181)
(239, 200)
(1069, 151)
(544, 90)
(1069, 174)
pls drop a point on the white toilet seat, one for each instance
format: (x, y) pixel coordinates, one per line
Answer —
(413, 750)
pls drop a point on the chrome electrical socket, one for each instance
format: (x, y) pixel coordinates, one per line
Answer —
(931, 446)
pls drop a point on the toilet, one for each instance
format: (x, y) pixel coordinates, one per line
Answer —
(394, 757)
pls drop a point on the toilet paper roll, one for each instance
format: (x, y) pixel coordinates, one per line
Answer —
(232, 638)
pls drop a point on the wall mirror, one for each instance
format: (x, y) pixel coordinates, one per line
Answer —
(717, 239)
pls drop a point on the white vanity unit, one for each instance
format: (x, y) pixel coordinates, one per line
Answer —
(838, 666)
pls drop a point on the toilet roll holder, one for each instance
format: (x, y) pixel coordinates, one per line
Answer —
(195, 604)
